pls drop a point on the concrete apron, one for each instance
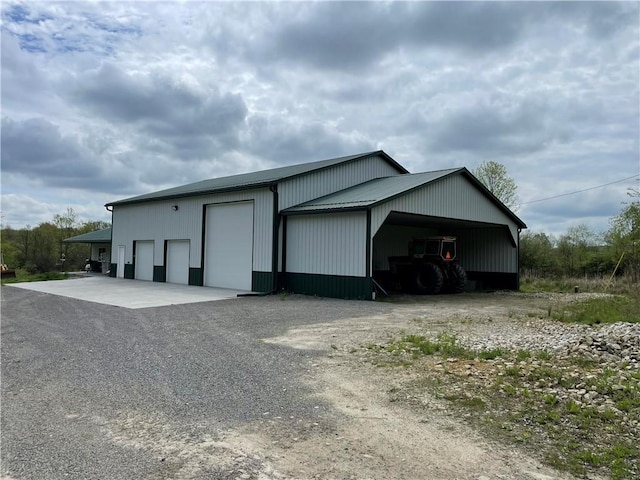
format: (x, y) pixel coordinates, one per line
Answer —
(128, 293)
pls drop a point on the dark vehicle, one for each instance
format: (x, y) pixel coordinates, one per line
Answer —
(430, 267)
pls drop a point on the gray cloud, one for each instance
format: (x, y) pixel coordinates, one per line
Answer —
(127, 98)
(36, 148)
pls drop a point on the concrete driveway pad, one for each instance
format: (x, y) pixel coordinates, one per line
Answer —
(129, 293)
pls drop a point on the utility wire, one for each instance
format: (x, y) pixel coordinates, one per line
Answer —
(579, 191)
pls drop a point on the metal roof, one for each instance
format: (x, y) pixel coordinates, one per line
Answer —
(252, 180)
(370, 193)
(97, 236)
(379, 190)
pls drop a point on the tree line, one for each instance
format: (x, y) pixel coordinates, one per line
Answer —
(41, 249)
(579, 251)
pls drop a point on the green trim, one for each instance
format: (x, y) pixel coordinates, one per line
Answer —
(195, 277)
(494, 280)
(261, 281)
(334, 286)
(129, 271)
(113, 270)
(159, 273)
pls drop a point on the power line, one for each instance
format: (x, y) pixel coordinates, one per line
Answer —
(580, 191)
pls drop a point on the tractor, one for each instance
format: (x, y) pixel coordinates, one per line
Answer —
(430, 268)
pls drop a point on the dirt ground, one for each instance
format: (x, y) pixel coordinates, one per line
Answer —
(379, 438)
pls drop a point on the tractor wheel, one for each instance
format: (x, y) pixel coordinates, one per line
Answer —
(458, 279)
(429, 279)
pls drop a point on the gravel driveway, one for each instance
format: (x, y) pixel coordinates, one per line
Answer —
(95, 391)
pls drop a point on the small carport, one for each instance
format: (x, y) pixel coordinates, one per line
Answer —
(487, 252)
(99, 242)
(366, 224)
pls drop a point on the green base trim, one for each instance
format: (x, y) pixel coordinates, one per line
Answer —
(494, 280)
(159, 273)
(195, 277)
(261, 281)
(334, 286)
(129, 271)
(113, 270)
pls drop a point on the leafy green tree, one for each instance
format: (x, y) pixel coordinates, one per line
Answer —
(574, 249)
(493, 175)
(40, 249)
(537, 254)
(624, 236)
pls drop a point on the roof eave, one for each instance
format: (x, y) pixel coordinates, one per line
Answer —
(200, 193)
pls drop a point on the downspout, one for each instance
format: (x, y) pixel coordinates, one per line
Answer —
(111, 249)
(368, 254)
(273, 188)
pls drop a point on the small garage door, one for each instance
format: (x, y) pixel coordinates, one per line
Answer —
(229, 245)
(178, 261)
(144, 260)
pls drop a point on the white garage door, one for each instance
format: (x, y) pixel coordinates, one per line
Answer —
(228, 258)
(144, 260)
(178, 261)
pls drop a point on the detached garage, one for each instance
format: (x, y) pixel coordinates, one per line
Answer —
(323, 228)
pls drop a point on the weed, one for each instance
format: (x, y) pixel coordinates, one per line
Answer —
(490, 354)
(522, 355)
(600, 310)
(24, 276)
(543, 355)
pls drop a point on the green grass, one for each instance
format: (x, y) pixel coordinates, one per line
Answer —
(24, 276)
(600, 310)
(445, 345)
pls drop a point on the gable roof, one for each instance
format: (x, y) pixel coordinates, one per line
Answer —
(97, 236)
(379, 190)
(253, 180)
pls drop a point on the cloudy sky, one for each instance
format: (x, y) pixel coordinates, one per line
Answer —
(102, 101)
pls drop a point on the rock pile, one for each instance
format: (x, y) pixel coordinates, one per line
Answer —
(617, 342)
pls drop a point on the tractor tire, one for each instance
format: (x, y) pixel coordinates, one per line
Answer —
(429, 279)
(458, 279)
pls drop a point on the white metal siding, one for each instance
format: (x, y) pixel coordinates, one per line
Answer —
(144, 260)
(157, 220)
(486, 250)
(178, 261)
(229, 245)
(394, 240)
(307, 187)
(121, 261)
(451, 197)
(332, 244)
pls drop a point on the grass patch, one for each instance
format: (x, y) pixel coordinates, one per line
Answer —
(24, 276)
(444, 345)
(600, 310)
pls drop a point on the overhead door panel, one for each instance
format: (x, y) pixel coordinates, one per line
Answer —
(178, 261)
(144, 260)
(229, 245)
